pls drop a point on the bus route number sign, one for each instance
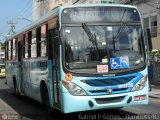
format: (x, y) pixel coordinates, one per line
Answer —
(102, 68)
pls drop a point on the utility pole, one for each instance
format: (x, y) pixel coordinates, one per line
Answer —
(12, 26)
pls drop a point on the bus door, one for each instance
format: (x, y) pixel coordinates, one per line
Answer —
(54, 38)
(20, 68)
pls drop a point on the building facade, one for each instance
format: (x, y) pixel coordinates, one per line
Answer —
(41, 7)
(150, 13)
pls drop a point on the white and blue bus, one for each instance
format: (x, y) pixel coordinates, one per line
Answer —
(80, 58)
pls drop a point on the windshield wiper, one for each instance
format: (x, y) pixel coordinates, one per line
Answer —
(121, 28)
(91, 36)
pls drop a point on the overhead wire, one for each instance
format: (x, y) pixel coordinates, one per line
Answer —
(23, 11)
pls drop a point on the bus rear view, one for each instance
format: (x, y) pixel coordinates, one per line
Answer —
(103, 58)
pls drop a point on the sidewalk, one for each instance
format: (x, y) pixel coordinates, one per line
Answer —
(155, 92)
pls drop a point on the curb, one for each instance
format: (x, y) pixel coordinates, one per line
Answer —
(154, 97)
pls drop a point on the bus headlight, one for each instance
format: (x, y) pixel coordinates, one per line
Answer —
(74, 89)
(140, 84)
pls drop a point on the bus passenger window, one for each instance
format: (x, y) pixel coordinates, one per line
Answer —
(43, 41)
(14, 49)
(33, 44)
(9, 51)
(26, 45)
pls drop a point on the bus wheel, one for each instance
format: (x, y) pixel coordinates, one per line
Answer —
(45, 98)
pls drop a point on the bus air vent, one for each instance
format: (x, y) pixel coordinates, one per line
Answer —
(109, 100)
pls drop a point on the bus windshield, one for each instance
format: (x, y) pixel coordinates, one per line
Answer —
(107, 38)
(113, 44)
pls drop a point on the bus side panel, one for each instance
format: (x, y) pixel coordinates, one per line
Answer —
(8, 75)
(12, 70)
(38, 72)
(51, 85)
(26, 78)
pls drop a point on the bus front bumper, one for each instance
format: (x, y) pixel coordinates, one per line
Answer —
(84, 103)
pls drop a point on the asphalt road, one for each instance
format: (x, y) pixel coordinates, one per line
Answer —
(26, 109)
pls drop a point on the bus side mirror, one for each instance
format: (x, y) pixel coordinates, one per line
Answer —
(149, 40)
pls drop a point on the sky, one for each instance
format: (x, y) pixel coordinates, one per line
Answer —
(9, 11)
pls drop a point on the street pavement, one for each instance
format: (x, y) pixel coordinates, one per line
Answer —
(155, 92)
(28, 109)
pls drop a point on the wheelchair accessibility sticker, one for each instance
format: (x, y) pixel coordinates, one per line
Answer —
(119, 62)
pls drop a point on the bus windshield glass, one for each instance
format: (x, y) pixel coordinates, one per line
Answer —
(102, 40)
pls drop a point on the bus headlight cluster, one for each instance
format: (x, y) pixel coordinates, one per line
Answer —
(74, 89)
(140, 84)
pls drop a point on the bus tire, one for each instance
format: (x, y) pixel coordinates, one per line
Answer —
(16, 91)
(45, 97)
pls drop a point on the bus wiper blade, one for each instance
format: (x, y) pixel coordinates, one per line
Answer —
(92, 37)
(120, 30)
(115, 37)
(121, 27)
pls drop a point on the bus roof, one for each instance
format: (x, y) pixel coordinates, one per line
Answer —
(57, 10)
(95, 5)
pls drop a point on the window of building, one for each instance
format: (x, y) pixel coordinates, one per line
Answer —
(33, 44)
(43, 41)
(146, 23)
(154, 26)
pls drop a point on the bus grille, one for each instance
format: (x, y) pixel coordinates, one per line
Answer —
(108, 81)
(102, 85)
(109, 100)
(105, 91)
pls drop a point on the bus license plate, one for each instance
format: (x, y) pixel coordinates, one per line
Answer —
(102, 68)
